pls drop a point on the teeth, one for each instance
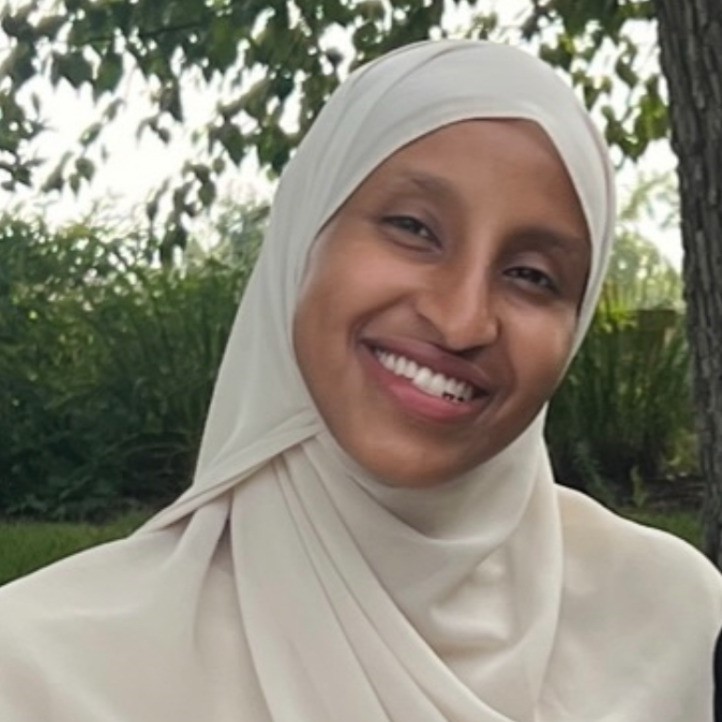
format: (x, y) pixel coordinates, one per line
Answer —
(434, 384)
(411, 369)
(437, 385)
(423, 378)
(452, 388)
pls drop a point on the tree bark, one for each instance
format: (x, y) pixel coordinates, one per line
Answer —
(690, 36)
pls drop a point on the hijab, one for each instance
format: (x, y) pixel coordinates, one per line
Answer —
(290, 585)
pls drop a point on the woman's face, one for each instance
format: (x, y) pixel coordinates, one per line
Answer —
(439, 306)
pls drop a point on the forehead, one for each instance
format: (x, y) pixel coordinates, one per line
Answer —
(461, 157)
(519, 144)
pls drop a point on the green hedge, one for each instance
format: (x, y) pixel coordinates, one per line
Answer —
(624, 412)
(107, 362)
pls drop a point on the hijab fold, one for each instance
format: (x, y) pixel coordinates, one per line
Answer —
(290, 585)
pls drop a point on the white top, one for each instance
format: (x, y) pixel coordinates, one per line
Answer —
(288, 585)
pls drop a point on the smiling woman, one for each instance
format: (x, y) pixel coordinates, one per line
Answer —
(437, 307)
(373, 533)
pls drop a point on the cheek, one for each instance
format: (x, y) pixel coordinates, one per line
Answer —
(308, 331)
(346, 288)
(306, 326)
(543, 350)
(322, 326)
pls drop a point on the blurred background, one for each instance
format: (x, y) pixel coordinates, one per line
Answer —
(140, 143)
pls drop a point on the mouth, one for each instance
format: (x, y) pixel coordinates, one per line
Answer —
(427, 382)
(426, 379)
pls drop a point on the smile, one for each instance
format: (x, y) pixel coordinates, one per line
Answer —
(426, 379)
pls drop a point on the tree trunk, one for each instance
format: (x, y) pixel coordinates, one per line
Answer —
(690, 35)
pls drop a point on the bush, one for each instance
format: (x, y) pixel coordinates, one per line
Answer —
(624, 412)
(108, 365)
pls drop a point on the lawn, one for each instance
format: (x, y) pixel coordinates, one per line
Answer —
(26, 546)
(685, 524)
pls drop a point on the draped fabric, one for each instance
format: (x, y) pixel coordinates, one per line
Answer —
(290, 585)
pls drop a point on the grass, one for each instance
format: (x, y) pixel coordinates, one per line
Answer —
(682, 523)
(27, 546)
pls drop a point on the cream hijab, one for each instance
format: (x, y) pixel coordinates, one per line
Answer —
(288, 585)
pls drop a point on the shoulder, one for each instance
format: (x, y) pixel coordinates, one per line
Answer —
(623, 557)
(99, 626)
(88, 579)
(62, 623)
(40, 633)
(76, 589)
(640, 609)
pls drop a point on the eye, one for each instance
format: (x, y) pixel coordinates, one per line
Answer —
(412, 228)
(534, 277)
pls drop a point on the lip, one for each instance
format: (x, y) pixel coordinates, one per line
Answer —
(411, 399)
(427, 354)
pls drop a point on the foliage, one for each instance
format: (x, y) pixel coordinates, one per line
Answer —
(576, 36)
(638, 273)
(44, 281)
(272, 64)
(624, 410)
(108, 363)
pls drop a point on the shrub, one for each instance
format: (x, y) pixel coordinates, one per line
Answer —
(624, 411)
(108, 363)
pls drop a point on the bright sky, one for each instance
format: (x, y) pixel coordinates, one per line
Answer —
(135, 166)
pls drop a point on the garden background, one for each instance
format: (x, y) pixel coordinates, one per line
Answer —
(111, 332)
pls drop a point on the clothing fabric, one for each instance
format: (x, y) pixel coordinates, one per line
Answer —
(290, 585)
(718, 680)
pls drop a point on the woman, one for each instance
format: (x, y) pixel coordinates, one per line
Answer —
(373, 532)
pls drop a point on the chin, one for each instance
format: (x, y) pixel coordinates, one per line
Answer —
(410, 474)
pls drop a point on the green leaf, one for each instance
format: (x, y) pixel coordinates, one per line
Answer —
(110, 71)
(254, 102)
(90, 134)
(365, 36)
(222, 44)
(232, 140)
(151, 209)
(558, 55)
(85, 168)
(122, 15)
(336, 12)
(207, 193)
(74, 68)
(170, 100)
(371, 10)
(626, 74)
(17, 26)
(55, 181)
(19, 65)
(113, 107)
(49, 26)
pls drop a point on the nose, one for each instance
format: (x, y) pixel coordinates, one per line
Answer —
(462, 310)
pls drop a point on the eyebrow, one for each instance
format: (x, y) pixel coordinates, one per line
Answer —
(542, 236)
(425, 182)
(558, 240)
